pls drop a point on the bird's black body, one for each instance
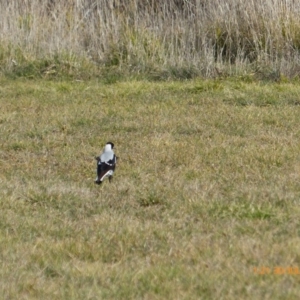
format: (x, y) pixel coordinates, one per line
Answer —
(104, 167)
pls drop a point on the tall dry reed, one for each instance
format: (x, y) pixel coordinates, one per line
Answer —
(179, 37)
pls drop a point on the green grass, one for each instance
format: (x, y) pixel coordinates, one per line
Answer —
(206, 189)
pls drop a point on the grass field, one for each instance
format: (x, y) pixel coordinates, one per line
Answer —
(204, 203)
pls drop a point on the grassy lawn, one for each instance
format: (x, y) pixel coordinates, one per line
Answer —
(204, 202)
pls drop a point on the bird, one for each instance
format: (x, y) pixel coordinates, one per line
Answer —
(106, 163)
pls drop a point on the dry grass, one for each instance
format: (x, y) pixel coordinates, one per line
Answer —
(181, 39)
(206, 190)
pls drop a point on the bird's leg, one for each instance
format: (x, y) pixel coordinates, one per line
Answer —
(97, 181)
(110, 178)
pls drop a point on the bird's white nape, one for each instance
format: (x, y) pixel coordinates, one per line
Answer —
(107, 147)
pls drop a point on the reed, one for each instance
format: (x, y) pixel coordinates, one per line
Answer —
(161, 39)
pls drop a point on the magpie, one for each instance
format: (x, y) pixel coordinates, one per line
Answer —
(106, 163)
